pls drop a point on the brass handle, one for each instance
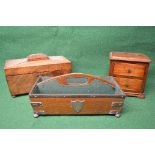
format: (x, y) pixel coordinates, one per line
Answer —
(38, 56)
(63, 79)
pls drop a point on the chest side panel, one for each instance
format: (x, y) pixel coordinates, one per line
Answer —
(22, 84)
(88, 106)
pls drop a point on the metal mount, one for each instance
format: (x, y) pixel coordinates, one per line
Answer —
(117, 104)
(36, 104)
(77, 105)
(115, 112)
(117, 115)
(37, 113)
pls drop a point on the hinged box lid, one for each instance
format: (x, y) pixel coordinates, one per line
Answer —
(35, 63)
(126, 56)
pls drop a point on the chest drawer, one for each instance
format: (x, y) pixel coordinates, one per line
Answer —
(129, 69)
(133, 85)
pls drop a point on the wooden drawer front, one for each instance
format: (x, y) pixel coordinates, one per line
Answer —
(127, 69)
(133, 85)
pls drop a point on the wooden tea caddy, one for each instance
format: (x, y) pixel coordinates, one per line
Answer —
(21, 74)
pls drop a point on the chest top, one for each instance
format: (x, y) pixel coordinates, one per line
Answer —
(35, 63)
(126, 56)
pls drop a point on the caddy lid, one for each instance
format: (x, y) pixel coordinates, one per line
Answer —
(34, 63)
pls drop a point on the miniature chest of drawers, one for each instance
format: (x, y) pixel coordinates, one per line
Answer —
(130, 71)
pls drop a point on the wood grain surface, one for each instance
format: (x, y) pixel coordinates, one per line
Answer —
(61, 106)
(21, 74)
(130, 71)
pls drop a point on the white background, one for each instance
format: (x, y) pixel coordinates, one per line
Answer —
(81, 13)
(77, 142)
(77, 12)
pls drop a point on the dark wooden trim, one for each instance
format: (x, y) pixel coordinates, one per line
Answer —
(76, 96)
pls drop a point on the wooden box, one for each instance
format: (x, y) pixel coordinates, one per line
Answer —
(130, 71)
(21, 74)
(76, 94)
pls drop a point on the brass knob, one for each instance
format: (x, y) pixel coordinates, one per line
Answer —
(126, 85)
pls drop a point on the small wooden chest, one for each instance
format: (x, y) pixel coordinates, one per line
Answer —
(21, 74)
(76, 94)
(130, 71)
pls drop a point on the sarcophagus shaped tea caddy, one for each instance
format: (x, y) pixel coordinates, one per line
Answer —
(21, 74)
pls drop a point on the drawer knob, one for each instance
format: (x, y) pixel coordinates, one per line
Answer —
(126, 85)
(129, 71)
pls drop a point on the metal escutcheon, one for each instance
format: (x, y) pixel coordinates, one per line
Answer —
(77, 105)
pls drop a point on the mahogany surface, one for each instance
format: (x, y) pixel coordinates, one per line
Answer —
(130, 71)
(62, 106)
(21, 74)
